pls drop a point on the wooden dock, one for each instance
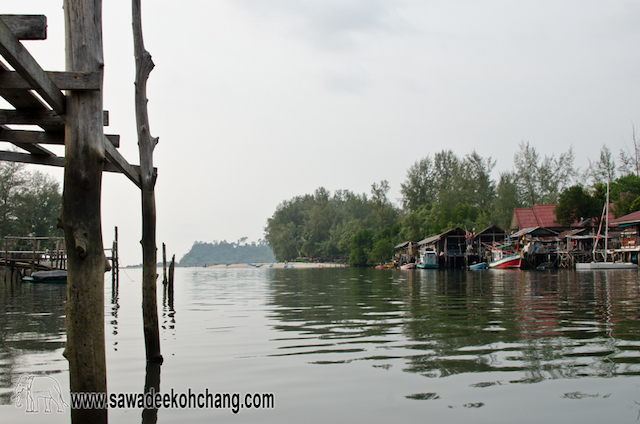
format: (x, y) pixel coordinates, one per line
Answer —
(43, 254)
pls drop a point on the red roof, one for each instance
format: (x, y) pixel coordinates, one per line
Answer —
(537, 216)
(629, 218)
(543, 216)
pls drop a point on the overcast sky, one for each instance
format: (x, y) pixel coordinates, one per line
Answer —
(258, 101)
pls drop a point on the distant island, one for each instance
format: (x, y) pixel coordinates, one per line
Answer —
(223, 252)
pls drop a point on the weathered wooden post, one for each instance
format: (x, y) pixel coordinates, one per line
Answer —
(115, 266)
(146, 145)
(171, 270)
(164, 264)
(84, 159)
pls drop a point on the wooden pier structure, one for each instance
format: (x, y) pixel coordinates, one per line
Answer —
(66, 108)
(29, 254)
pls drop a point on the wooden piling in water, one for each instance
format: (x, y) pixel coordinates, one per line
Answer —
(164, 264)
(84, 159)
(115, 267)
(148, 175)
(170, 289)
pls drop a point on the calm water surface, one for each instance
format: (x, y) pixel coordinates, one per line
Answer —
(357, 345)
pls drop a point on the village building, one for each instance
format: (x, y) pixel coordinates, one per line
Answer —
(485, 240)
(535, 216)
(451, 247)
(628, 229)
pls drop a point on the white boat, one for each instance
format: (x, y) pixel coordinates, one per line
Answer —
(428, 259)
(605, 264)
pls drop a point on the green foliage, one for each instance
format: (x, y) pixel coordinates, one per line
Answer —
(603, 170)
(623, 194)
(448, 180)
(322, 226)
(506, 201)
(30, 202)
(223, 252)
(541, 181)
(361, 245)
(575, 204)
(440, 192)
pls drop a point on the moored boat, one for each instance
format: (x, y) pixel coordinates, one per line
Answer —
(502, 260)
(56, 276)
(606, 265)
(411, 265)
(481, 265)
(428, 259)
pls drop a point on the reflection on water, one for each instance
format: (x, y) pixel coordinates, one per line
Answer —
(32, 331)
(360, 345)
(533, 325)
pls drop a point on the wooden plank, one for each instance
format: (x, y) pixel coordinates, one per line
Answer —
(20, 98)
(30, 117)
(27, 27)
(63, 80)
(114, 156)
(21, 60)
(38, 117)
(52, 161)
(32, 148)
(42, 137)
(31, 137)
(34, 159)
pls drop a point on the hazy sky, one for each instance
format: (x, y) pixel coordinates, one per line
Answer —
(257, 101)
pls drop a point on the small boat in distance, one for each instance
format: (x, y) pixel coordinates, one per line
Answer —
(56, 276)
(481, 265)
(428, 259)
(411, 265)
(504, 260)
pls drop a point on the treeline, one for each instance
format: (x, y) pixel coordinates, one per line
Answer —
(30, 202)
(445, 191)
(223, 252)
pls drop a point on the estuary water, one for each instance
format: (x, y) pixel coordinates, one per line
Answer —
(353, 345)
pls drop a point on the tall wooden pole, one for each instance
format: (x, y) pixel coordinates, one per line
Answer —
(164, 264)
(146, 145)
(84, 158)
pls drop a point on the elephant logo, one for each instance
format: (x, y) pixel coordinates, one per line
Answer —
(37, 387)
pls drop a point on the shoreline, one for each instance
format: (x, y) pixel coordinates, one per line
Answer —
(280, 265)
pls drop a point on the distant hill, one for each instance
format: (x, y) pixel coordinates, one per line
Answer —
(223, 252)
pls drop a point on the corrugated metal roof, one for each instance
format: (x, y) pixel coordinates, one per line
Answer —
(536, 216)
(633, 217)
(429, 240)
(534, 231)
(545, 215)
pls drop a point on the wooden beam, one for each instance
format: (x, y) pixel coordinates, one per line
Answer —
(52, 161)
(63, 80)
(34, 159)
(32, 137)
(20, 98)
(42, 137)
(31, 117)
(121, 163)
(21, 60)
(41, 117)
(27, 27)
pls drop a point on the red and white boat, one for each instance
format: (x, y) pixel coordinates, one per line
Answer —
(501, 259)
